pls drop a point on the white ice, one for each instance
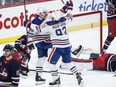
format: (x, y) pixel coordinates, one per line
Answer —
(91, 78)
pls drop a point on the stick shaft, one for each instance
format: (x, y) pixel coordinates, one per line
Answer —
(25, 9)
(62, 1)
(50, 72)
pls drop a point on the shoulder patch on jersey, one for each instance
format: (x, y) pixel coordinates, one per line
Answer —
(37, 21)
(62, 19)
(52, 22)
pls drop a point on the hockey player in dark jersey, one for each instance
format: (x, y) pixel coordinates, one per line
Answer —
(22, 47)
(106, 62)
(111, 19)
(9, 68)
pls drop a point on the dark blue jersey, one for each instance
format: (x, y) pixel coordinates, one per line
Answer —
(111, 12)
(9, 71)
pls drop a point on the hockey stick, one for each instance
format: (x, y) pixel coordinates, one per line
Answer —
(64, 1)
(78, 51)
(5, 84)
(25, 10)
(25, 14)
(50, 72)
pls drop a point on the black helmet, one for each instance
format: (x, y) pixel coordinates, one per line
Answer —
(8, 46)
(24, 37)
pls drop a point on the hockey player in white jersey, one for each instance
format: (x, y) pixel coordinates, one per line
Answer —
(41, 40)
(60, 41)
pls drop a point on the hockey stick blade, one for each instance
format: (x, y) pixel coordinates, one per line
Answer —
(50, 72)
(78, 51)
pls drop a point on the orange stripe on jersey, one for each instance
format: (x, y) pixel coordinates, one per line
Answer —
(27, 24)
(55, 73)
(36, 37)
(47, 41)
(39, 69)
(62, 10)
(60, 42)
(30, 34)
(29, 43)
(69, 7)
(53, 49)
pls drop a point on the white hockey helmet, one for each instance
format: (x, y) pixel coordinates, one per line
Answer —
(42, 12)
(55, 15)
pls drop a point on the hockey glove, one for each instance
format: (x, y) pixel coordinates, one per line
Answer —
(27, 23)
(64, 9)
(69, 5)
(24, 49)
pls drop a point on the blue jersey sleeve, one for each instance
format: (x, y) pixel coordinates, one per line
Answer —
(37, 21)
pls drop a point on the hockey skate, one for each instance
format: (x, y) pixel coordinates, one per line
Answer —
(39, 80)
(79, 79)
(55, 83)
(24, 74)
(78, 51)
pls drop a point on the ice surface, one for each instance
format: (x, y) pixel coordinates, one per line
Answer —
(91, 78)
